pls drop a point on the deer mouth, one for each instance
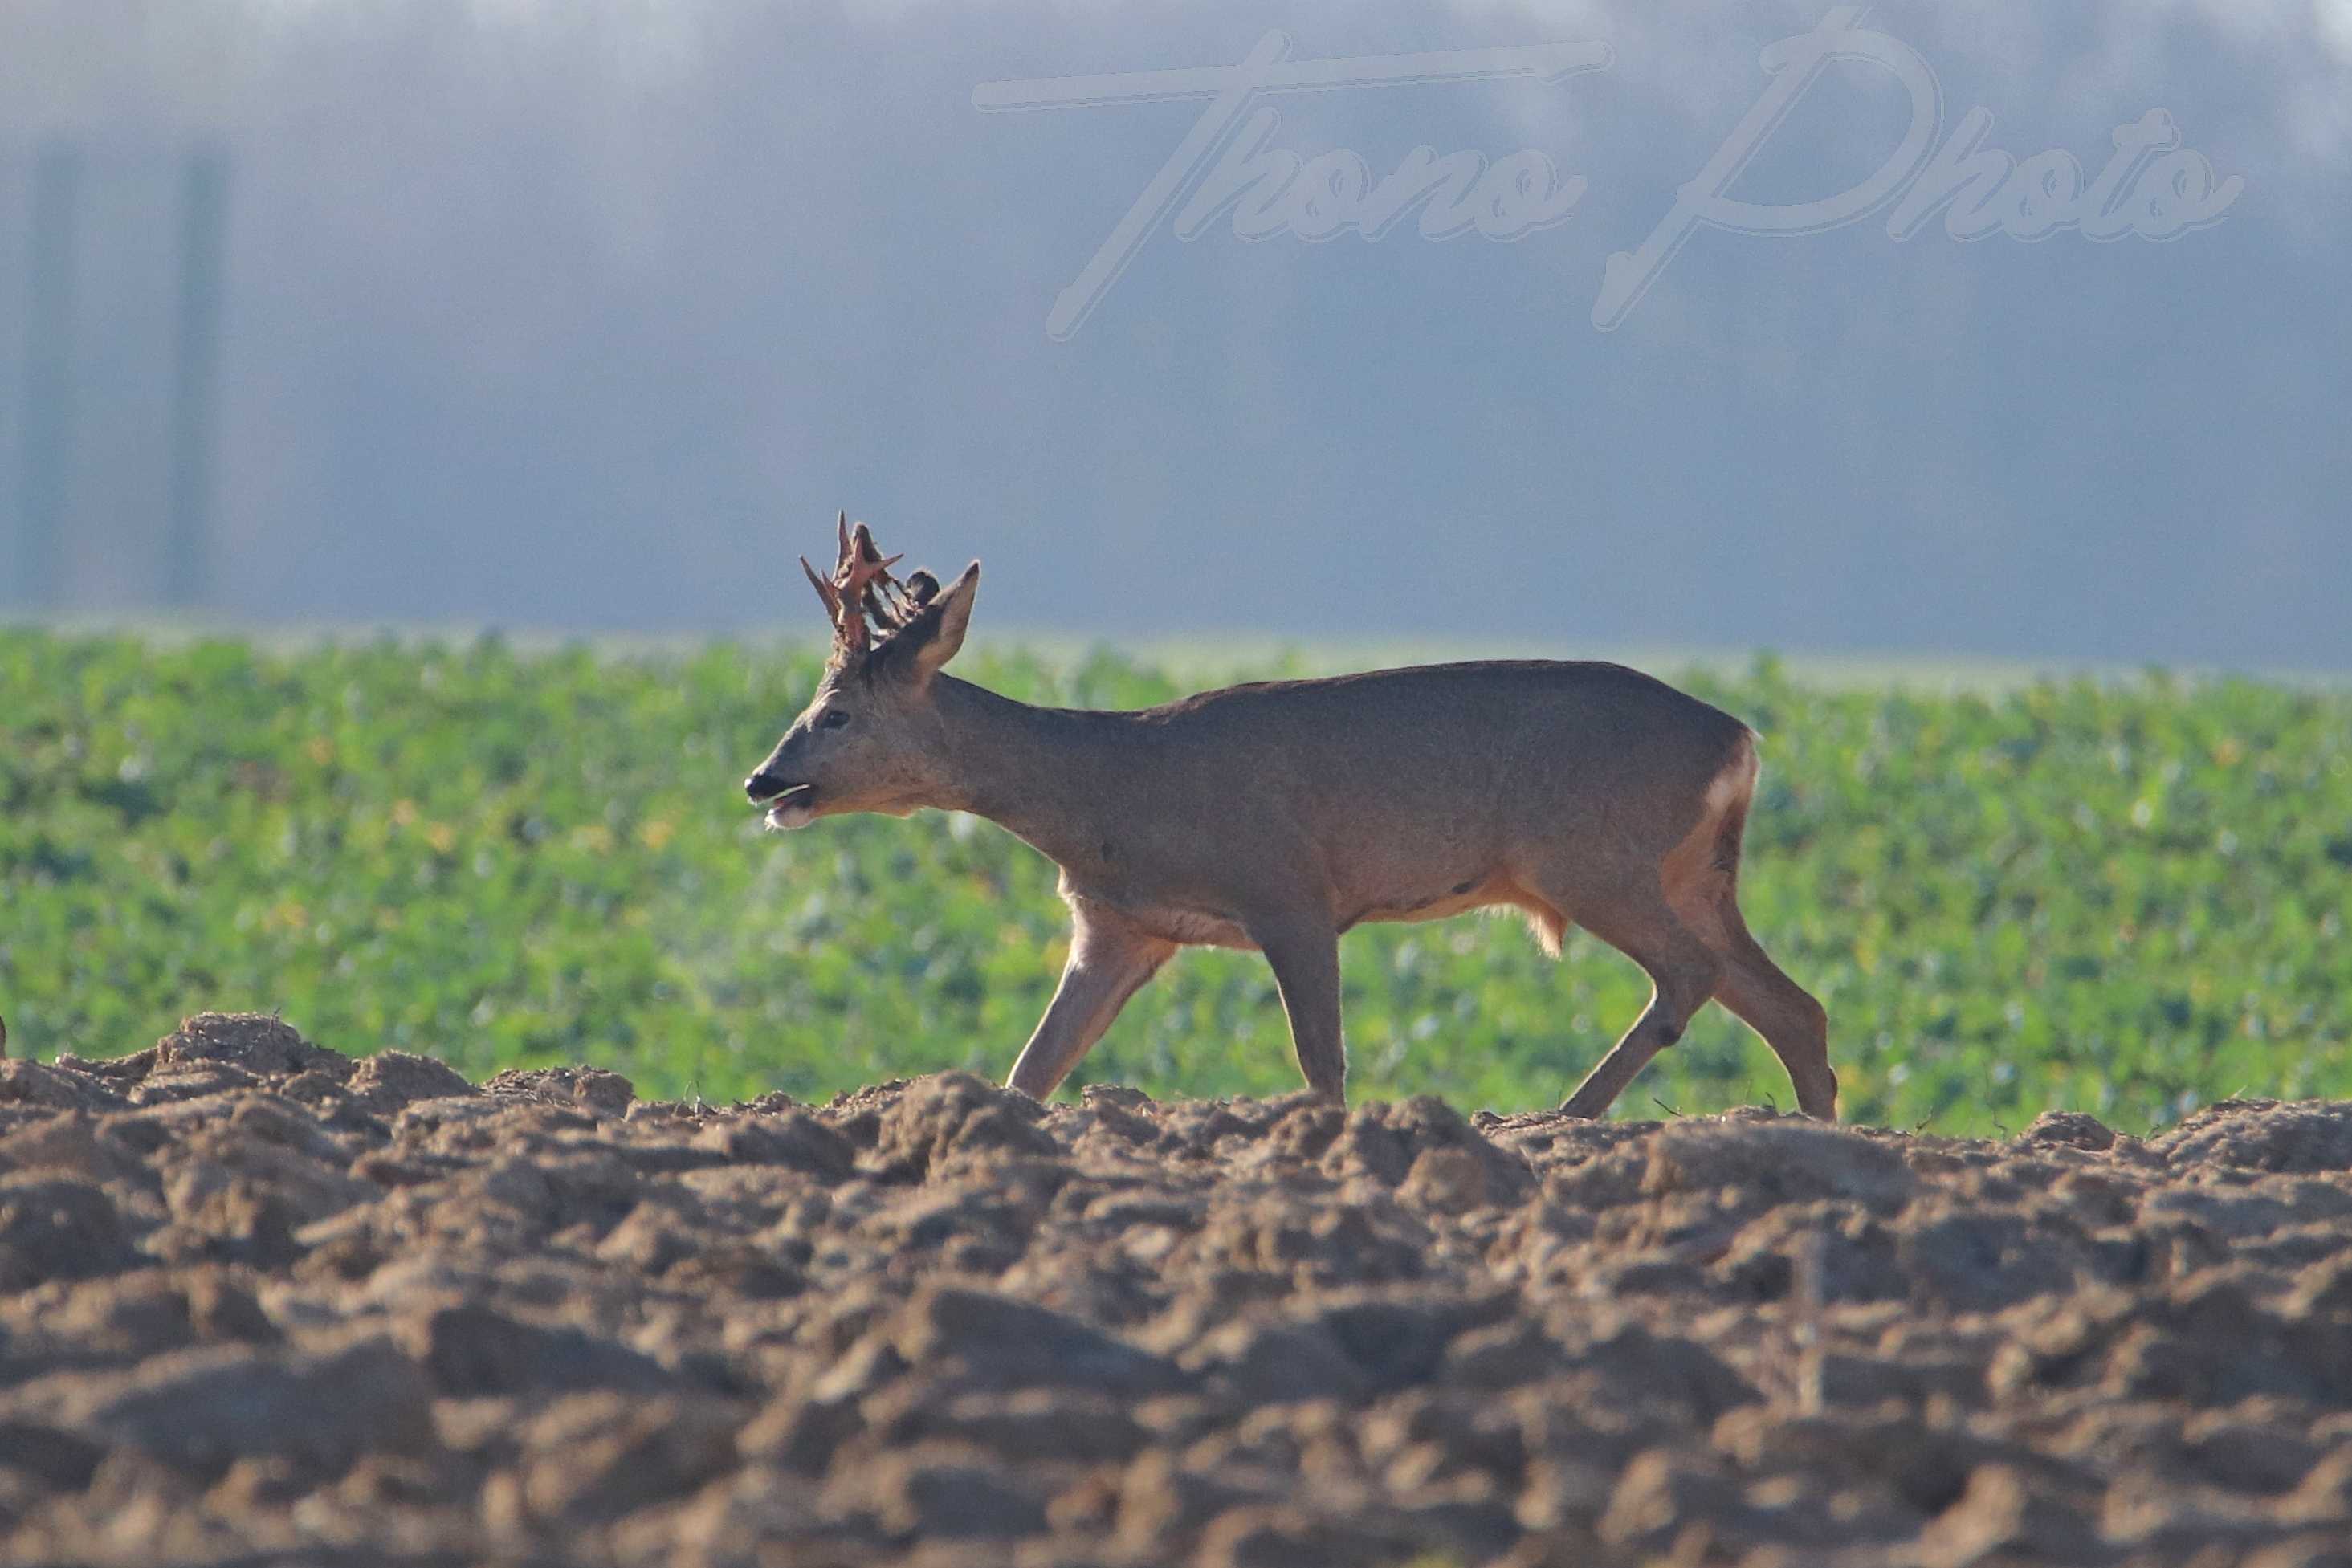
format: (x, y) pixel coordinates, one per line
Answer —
(795, 808)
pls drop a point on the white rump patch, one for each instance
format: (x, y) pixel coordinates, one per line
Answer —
(1737, 779)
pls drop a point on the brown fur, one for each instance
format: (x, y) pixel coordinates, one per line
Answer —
(1275, 816)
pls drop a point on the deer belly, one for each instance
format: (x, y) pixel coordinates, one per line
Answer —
(1433, 904)
(1190, 925)
(1194, 928)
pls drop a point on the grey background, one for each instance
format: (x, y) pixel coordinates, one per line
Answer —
(586, 316)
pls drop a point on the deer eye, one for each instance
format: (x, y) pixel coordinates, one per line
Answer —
(836, 719)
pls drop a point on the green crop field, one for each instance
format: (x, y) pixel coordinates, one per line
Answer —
(2123, 897)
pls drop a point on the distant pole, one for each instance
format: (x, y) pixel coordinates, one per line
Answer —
(188, 560)
(49, 384)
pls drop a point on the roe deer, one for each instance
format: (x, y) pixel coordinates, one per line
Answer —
(1277, 815)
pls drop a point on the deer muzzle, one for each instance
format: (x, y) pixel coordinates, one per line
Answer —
(785, 805)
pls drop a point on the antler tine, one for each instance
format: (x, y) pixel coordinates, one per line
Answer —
(866, 587)
(902, 602)
(825, 589)
(850, 635)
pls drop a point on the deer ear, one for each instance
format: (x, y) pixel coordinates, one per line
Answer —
(937, 631)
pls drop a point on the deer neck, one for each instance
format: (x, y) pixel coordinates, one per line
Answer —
(1035, 772)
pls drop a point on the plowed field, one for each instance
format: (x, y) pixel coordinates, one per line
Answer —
(261, 1300)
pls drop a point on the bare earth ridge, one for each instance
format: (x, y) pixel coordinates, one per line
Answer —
(261, 1302)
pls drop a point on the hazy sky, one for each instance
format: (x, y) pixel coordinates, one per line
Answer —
(588, 313)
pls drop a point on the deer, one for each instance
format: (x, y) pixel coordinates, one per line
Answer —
(1275, 816)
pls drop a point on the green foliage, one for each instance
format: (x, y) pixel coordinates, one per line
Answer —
(2125, 899)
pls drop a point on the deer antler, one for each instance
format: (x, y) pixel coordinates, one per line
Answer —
(824, 591)
(862, 587)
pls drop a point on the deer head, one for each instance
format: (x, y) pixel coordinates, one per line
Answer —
(870, 739)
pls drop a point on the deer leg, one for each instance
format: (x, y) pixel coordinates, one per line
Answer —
(1683, 973)
(1110, 961)
(1304, 951)
(1787, 1014)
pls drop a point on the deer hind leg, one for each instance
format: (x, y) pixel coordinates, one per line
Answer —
(1110, 961)
(1684, 974)
(1787, 1014)
(1701, 880)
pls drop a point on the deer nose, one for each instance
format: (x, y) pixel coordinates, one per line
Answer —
(762, 787)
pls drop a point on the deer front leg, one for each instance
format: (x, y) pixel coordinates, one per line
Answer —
(1109, 962)
(1304, 950)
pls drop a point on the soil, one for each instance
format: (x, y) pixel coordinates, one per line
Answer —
(262, 1301)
